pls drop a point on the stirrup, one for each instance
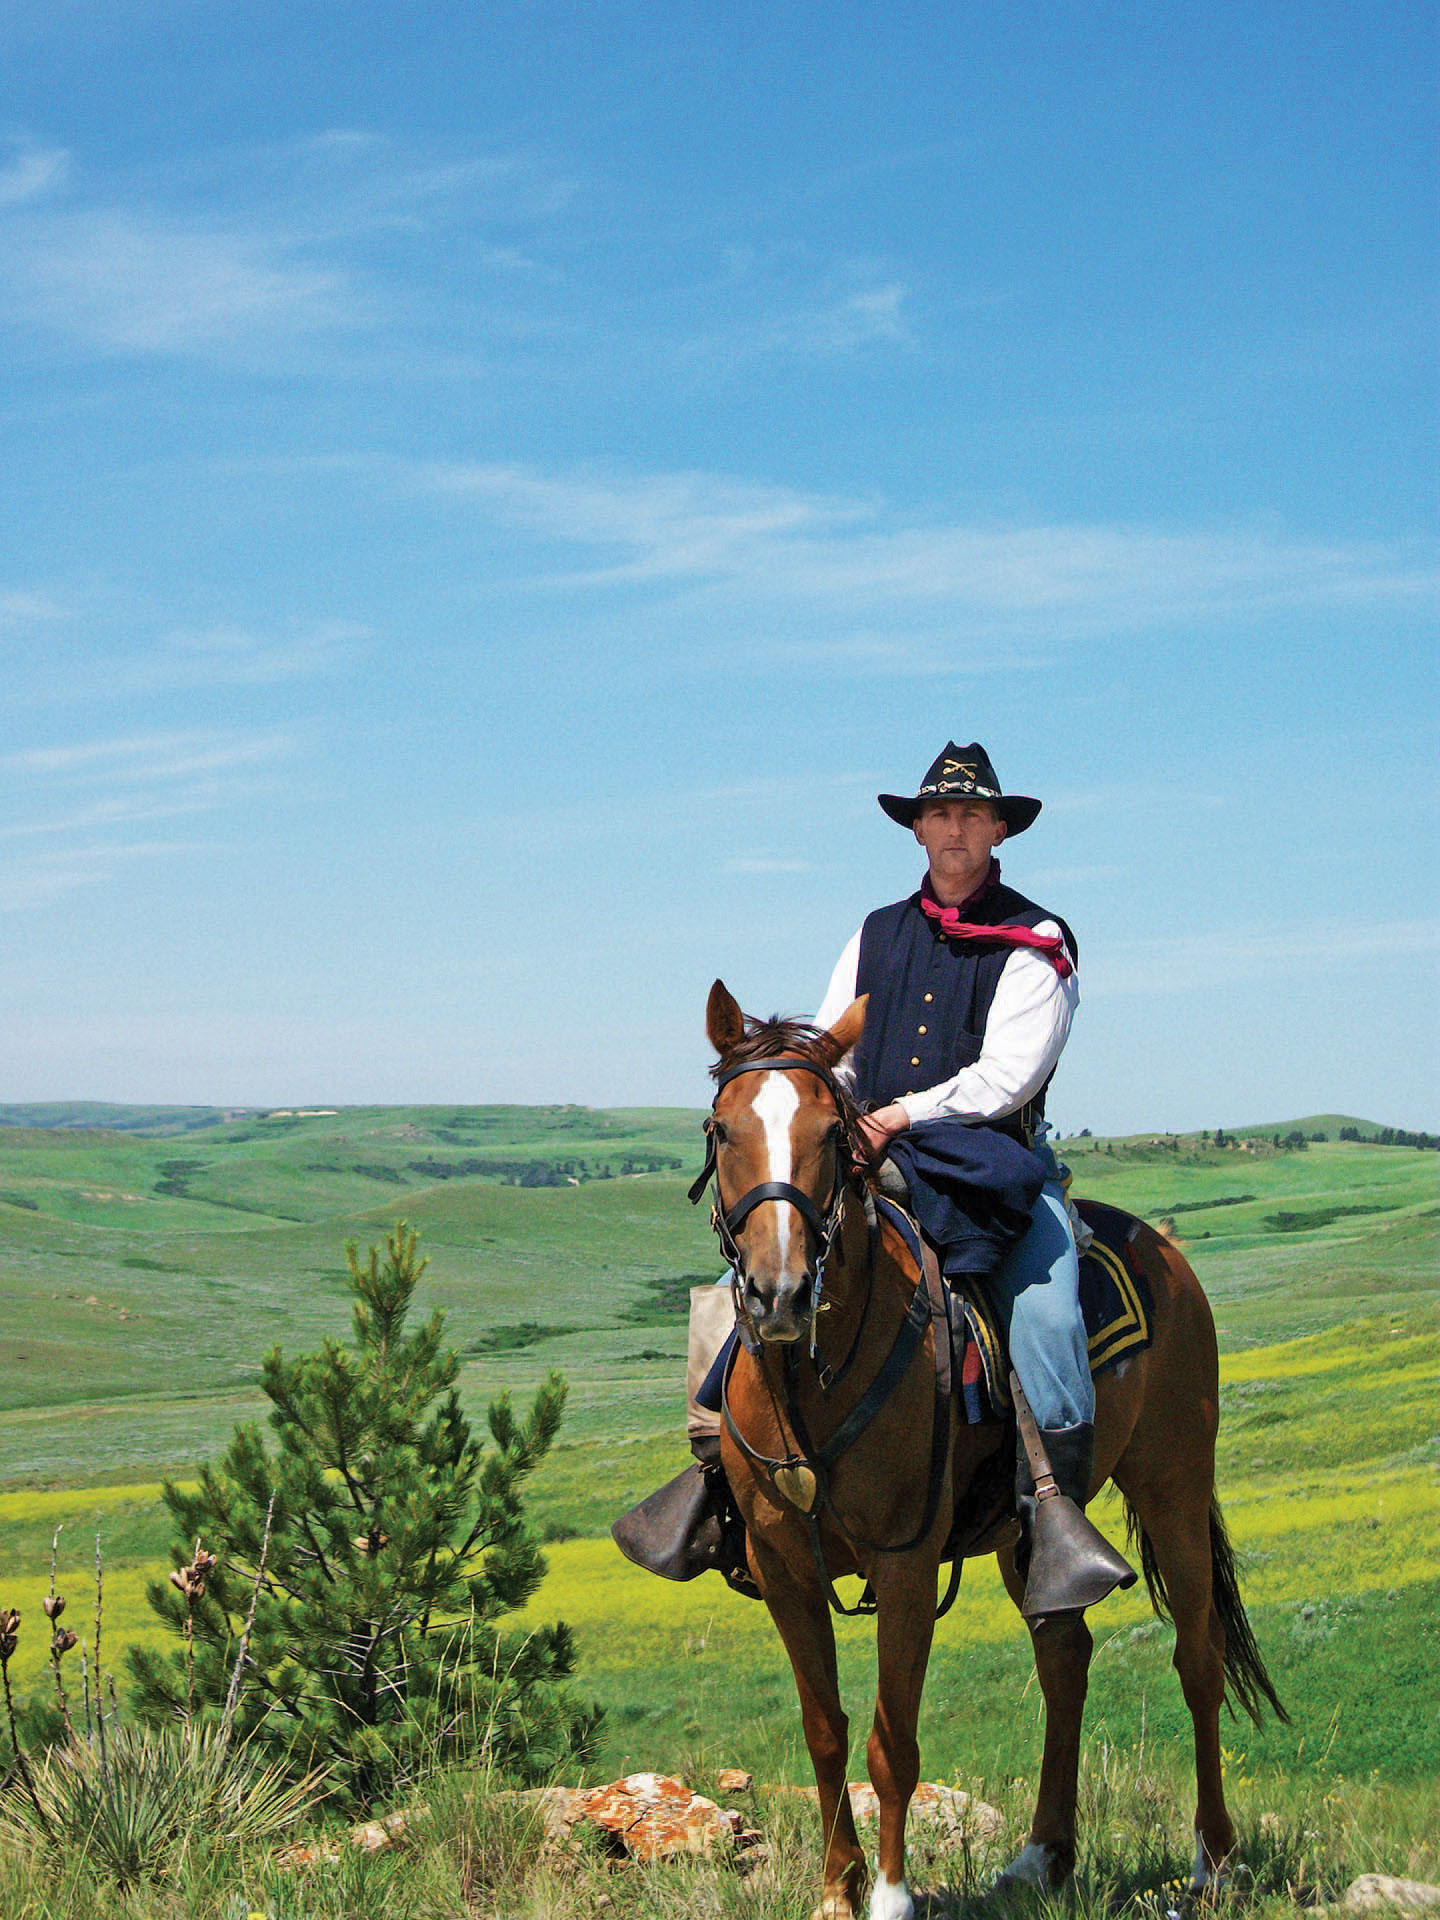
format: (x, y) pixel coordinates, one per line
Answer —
(1070, 1565)
(688, 1527)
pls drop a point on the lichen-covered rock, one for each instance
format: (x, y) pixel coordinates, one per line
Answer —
(646, 1816)
(371, 1836)
(945, 1811)
(1380, 1893)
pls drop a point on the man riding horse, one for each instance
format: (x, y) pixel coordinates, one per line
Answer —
(970, 992)
(925, 1074)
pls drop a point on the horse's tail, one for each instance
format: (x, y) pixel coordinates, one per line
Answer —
(1245, 1677)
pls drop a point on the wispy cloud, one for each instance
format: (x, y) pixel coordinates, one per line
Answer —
(134, 282)
(31, 174)
(87, 627)
(40, 883)
(1222, 958)
(696, 530)
(236, 656)
(1043, 878)
(764, 863)
(826, 324)
(239, 253)
(677, 525)
(18, 609)
(73, 807)
(149, 757)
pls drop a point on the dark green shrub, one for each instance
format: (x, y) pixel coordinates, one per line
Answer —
(397, 1541)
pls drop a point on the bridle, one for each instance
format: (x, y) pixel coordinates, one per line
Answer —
(727, 1221)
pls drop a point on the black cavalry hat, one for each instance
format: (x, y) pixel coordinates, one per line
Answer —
(963, 773)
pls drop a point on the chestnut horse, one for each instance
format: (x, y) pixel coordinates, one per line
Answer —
(789, 1210)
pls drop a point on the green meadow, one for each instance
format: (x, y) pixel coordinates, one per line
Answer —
(148, 1258)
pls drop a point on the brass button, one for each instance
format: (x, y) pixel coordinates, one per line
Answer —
(929, 996)
(914, 1059)
(922, 1029)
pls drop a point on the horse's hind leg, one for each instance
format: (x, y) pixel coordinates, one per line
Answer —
(1176, 1521)
(1062, 1645)
(1062, 1661)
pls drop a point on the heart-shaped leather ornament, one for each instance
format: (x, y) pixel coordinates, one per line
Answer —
(798, 1485)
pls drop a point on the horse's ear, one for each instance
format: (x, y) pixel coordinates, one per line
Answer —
(845, 1032)
(724, 1022)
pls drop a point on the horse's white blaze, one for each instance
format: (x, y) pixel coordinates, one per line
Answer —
(777, 1104)
(1029, 1868)
(890, 1900)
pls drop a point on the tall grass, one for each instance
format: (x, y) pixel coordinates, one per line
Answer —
(480, 1855)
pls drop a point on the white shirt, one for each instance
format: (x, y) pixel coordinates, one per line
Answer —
(1025, 1034)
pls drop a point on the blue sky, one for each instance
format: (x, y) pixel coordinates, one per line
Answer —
(491, 494)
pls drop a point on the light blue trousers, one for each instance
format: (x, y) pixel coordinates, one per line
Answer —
(1036, 1292)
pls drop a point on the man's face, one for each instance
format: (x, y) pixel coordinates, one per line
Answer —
(959, 837)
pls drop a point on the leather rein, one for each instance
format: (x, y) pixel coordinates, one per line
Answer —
(802, 1479)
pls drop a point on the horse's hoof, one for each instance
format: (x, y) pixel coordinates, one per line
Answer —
(1209, 1877)
(835, 1906)
(890, 1900)
(1034, 1868)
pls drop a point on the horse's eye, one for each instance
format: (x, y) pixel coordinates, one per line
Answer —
(718, 1132)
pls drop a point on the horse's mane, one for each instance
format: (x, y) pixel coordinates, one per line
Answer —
(778, 1037)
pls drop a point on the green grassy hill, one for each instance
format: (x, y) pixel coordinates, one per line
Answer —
(144, 1274)
(145, 1281)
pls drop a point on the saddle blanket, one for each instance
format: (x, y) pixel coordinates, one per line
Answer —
(1115, 1301)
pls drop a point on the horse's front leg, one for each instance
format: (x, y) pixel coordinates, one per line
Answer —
(904, 1628)
(802, 1617)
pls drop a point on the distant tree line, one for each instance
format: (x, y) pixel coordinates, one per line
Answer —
(1393, 1137)
(544, 1173)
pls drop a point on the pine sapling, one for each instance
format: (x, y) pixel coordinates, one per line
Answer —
(366, 1557)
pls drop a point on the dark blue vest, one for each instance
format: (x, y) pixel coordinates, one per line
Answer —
(930, 997)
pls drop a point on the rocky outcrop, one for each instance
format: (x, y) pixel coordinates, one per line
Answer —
(645, 1816)
(654, 1816)
(1380, 1893)
(941, 1812)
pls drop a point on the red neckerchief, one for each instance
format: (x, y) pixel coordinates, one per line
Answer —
(1048, 945)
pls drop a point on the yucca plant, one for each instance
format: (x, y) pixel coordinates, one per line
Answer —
(132, 1811)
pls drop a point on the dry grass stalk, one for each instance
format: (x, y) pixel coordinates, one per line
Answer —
(9, 1639)
(99, 1618)
(232, 1694)
(61, 1638)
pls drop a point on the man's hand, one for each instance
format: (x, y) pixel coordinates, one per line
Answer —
(878, 1129)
